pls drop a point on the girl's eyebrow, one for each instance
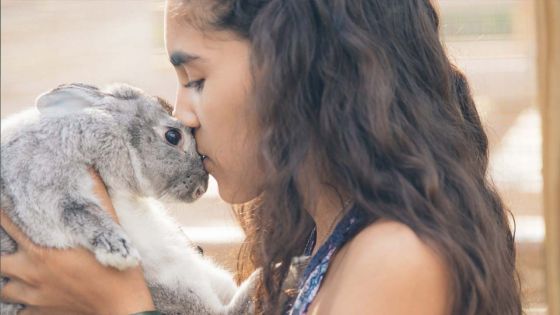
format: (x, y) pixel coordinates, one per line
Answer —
(178, 58)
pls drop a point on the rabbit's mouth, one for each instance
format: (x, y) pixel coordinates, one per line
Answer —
(198, 192)
(199, 189)
(186, 187)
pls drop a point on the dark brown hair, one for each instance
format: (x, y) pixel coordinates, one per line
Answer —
(365, 86)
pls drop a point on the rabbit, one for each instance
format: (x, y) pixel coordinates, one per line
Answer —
(145, 157)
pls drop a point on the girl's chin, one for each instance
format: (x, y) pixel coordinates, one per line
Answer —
(234, 195)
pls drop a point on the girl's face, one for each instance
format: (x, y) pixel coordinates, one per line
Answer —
(214, 84)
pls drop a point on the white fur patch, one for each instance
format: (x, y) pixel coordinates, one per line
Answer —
(168, 257)
(117, 260)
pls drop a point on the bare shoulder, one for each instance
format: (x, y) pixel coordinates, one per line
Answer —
(385, 269)
(389, 240)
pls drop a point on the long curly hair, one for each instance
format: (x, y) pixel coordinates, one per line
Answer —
(366, 88)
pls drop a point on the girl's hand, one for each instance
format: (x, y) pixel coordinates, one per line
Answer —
(70, 281)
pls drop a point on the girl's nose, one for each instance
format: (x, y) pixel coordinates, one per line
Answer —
(186, 117)
(185, 113)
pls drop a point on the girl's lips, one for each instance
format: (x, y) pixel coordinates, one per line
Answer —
(202, 157)
(205, 163)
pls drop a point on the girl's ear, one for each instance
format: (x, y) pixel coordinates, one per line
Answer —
(68, 98)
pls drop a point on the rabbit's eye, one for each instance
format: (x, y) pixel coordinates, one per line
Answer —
(173, 136)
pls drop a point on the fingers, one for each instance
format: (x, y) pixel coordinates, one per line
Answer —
(100, 191)
(17, 267)
(15, 233)
(8, 265)
(17, 292)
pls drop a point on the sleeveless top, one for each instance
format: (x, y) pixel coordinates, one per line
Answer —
(352, 222)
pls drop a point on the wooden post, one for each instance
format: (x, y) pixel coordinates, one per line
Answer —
(548, 41)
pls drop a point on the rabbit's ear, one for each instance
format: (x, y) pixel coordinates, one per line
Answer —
(68, 98)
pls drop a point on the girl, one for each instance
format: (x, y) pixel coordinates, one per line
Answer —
(347, 135)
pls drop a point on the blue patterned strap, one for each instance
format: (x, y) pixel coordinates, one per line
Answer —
(349, 226)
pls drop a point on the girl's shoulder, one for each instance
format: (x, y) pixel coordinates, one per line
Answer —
(385, 239)
(385, 269)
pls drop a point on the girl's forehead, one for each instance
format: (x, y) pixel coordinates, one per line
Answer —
(185, 40)
(179, 29)
(185, 43)
(197, 13)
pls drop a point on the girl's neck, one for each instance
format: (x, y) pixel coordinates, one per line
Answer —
(327, 211)
(324, 202)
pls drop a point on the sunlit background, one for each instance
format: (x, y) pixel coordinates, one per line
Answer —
(46, 43)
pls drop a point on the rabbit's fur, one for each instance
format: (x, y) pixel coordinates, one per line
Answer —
(120, 131)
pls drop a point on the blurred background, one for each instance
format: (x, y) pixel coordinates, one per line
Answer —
(48, 42)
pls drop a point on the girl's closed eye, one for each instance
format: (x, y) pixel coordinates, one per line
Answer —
(198, 85)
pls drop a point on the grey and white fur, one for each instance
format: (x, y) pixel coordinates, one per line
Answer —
(121, 132)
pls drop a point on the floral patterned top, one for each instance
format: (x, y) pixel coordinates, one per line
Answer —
(314, 273)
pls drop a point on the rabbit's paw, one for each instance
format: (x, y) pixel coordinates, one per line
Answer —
(114, 249)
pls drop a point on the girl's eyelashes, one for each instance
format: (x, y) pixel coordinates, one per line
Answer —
(198, 85)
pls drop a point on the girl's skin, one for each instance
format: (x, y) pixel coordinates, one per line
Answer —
(385, 269)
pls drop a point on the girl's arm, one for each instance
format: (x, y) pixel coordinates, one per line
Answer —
(70, 281)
